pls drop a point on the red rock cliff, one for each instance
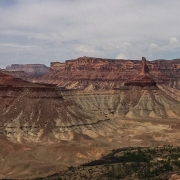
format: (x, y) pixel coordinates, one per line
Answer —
(143, 79)
(108, 73)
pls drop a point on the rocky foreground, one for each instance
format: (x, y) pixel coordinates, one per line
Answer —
(45, 128)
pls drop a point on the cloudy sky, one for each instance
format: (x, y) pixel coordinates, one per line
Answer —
(42, 31)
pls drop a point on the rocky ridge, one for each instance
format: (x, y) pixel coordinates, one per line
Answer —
(17, 74)
(89, 73)
(30, 69)
(143, 79)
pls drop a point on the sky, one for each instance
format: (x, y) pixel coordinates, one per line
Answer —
(44, 31)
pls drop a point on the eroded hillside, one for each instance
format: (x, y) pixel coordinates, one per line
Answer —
(55, 131)
(45, 128)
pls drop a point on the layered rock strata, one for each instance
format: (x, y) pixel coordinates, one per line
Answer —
(17, 74)
(35, 111)
(86, 124)
(89, 73)
(34, 117)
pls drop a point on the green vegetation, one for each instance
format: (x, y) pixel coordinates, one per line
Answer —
(128, 163)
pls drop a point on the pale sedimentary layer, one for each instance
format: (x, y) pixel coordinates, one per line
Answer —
(62, 116)
(51, 130)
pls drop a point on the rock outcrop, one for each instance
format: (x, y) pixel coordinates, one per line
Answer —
(16, 74)
(143, 79)
(102, 74)
(31, 69)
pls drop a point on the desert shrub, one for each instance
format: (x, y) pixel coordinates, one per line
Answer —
(177, 163)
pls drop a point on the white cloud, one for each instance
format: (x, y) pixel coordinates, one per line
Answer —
(66, 29)
(174, 42)
(173, 46)
(121, 56)
(84, 49)
(12, 45)
(153, 46)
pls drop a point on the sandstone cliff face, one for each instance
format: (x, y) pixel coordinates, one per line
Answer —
(96, 73)
(31, 69)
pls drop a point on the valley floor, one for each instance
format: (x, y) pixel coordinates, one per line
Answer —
(32, 160)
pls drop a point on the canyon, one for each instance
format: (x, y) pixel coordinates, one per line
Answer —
(84, 108)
